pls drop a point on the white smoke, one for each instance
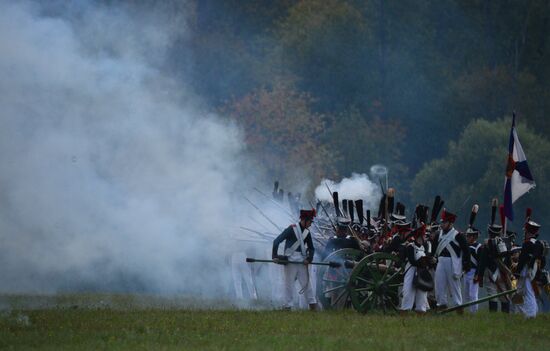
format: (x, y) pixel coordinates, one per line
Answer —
(111, 179)
(357, 187)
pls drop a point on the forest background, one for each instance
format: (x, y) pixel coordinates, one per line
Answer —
(324, 88)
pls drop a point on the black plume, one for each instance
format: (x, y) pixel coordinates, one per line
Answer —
(435, 208)
(494, 205)
(400, 209)
(382, 207)
(360, 214)
(336, 203)
(345, 207)
(421, 213)
(390, 204)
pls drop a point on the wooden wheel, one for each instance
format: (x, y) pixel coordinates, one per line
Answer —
(332, 283)
(374, 283)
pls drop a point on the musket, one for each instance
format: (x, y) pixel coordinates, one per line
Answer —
(259, 233)
(356, 237)
(471, 303)
(461, 208)
(262, 213)
(326, 214)
(264, 227)
(250, 240)
(331, 264)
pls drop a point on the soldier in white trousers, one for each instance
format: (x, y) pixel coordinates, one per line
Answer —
(415, 295)
(453, 256)
(298, 247)
(531, 262)
(471, 284)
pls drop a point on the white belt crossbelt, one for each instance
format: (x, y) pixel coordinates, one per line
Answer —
(299, 241)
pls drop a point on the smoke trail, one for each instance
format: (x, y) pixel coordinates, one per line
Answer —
(111, 178)
(358, 186)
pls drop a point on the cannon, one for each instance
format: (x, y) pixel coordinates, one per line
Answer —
(369, 283)
(332, 282)
(365, 283)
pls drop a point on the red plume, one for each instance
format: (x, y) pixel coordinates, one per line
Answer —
(501, 211)
(528, 212)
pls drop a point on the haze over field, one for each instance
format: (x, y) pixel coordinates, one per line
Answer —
(112, 177)
(131, 130)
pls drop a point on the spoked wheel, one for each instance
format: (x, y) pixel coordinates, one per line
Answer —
(374, 283)
(332, 283)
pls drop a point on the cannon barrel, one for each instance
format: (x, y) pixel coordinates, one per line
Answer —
(350, 264)
(330, 264)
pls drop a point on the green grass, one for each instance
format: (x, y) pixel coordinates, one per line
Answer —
(129, 327)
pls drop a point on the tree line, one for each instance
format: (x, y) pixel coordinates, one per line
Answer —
(426, 88)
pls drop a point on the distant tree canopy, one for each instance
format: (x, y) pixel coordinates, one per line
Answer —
(283, 133)
(473, 172)
(391, 82)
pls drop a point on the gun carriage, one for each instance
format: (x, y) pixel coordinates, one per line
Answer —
(366, 283)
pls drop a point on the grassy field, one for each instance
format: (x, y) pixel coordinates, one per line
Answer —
(127, 323)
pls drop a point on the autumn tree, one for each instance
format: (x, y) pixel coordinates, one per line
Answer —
(283, 134)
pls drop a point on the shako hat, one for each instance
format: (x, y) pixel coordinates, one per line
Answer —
(532, 227)
(447, 216)
(494, 229)
(395, 217)
(308, 214)
(343, 222)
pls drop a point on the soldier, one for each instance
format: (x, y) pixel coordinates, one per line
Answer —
(342, 240)
(401, 230)
(298, 247)
(492, 271)
(531, 263)
(414, 293)
(433, 230)
(471, 285)
(453, 255)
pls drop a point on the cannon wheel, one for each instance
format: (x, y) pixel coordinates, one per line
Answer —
(374, 283)
(332, 283)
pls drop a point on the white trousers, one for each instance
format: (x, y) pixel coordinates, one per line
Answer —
(241, 272)
(529, 307)
(293, 272)
(413, 296)
(471, 289)
(491, 286)
(445, 283)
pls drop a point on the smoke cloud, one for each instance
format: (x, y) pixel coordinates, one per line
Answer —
(357, 187)
(112, 178)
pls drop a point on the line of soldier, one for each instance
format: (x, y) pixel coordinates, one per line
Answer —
(439, 260)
